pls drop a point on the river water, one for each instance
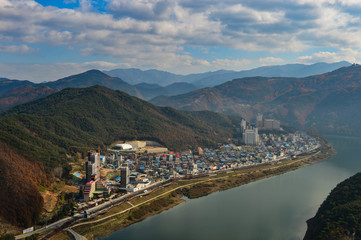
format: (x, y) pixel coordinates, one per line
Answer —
(273, 208)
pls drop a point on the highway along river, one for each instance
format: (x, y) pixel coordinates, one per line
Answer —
(273, 208)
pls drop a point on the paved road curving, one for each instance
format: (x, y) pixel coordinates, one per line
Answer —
(75, 235)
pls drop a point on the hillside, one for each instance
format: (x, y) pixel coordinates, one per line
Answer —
(39, 135)
(14, 92)
(7, 85)
(91, 78)
(329, 102)
(288, 70)
(21, 202)
(98, 115)
(136, 76)
(23, 94)
(149, 91)
(339, 216)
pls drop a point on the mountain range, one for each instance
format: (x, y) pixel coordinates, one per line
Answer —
(14, 92)
(36, 137)
(210, 79)
(145, 84)
(330, 102)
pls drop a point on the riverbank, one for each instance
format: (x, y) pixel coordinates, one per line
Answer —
(339, 215)
(139, 208)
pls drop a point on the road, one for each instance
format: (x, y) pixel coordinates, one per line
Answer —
(75, 235)
(46, 228)
(174, 189)
(90, 211)
(121, 199)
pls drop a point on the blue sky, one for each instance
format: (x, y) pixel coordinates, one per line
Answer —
(47, 40)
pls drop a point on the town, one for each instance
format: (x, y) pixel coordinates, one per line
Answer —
(137, 168)
(141, 164)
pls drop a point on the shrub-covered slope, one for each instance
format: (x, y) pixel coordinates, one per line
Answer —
(339, 216)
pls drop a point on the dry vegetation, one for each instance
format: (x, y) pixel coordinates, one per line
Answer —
(50, 200)
(19, 195)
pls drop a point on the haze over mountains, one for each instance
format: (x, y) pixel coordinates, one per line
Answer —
(146, 84)
(325, 101)
(330, 102)
(210, 79)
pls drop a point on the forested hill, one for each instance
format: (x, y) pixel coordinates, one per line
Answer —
(41, 133)
(339, 216)
(329, 102)
(98, 116)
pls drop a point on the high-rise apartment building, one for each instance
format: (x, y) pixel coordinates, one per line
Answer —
(124, 177)
(92, 166)
(272, 124)
(259, 121)
(243, 125)
(251, 136)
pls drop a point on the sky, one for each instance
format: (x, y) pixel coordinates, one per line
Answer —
(47, 40)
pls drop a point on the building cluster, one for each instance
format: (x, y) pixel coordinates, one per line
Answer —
(133, 181)
(93, 186)
(139, 169)
(249, 134)
(95, 189)
(268, 124)
(92, 166)
(139, 147)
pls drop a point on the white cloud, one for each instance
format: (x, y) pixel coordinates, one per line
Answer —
(344, 54)
(153, 33)
(270, 60)
(15, 48)
(234, 64)
(51, 72)
(248, 15)
(141, 9)
(86, 5)
(180, 64)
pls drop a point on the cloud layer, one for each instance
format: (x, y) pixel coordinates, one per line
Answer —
(155, 33)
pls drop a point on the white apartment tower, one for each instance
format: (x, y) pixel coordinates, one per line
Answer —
(251, 136)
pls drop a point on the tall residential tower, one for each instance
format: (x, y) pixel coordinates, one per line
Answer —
(92, 166)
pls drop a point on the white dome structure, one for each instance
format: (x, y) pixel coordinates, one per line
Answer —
(123, 146)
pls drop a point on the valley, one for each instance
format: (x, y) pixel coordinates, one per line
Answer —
(52, 131)
(180, 119)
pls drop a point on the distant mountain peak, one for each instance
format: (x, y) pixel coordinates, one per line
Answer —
(213, 78)
(94, 72)
(330, 101)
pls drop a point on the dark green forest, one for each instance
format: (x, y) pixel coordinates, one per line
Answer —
(339, 216)
(47, 128)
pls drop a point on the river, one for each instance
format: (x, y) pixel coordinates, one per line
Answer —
(273, 208)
